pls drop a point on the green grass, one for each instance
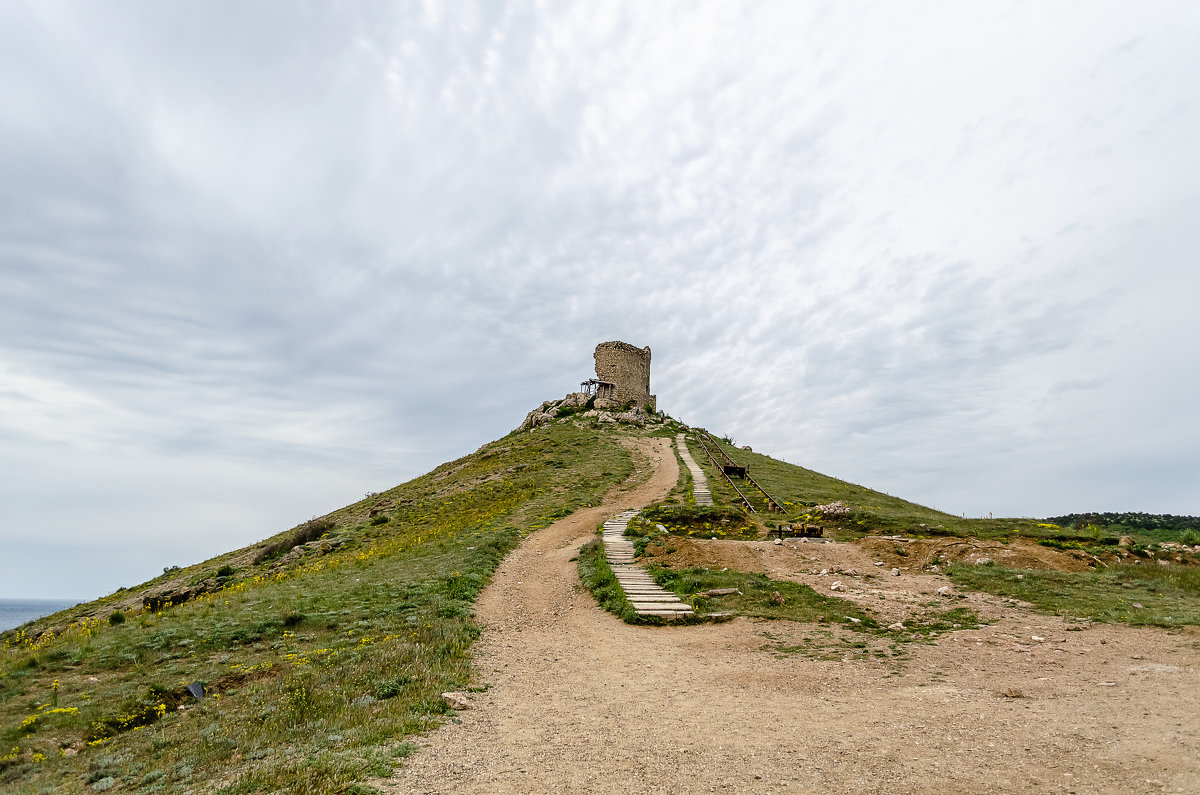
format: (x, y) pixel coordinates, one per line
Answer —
(800, 602)
(317, 672)
(695, 521)
(874, 512)
(1169, 595)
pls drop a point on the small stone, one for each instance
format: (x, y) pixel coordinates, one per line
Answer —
(837, 586)
(853, 620)
(895, 572)
(778, 542)
(1138, 605)
(897, 627)
(660, 528)
(1037, 638)
(851, 572)
(1125, 541)
(455, 700)
(944, 590)
(877, 563)
(1020, 576)
(776, 597)
(822, 572)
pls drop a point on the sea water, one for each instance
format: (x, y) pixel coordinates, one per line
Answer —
(15, 612)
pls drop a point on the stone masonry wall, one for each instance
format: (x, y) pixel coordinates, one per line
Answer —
(627, 367)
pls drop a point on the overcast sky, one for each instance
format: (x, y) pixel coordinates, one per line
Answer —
(257, 259)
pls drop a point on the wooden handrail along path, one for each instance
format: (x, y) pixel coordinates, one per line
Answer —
(720, 468)
(772, 503)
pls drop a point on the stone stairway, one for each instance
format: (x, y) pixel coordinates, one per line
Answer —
(647, 598)
(699, 482)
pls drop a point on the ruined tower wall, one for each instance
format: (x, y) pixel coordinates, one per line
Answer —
(627, 367)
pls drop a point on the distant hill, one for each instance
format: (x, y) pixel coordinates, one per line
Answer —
(1156, 525)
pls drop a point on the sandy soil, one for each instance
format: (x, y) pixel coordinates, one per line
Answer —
(580, 702)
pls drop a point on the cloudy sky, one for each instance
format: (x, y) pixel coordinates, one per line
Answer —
(258, 258)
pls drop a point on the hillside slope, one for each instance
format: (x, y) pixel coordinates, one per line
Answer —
(322, 648)
(316, 660)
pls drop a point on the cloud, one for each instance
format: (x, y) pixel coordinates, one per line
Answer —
(942, 251)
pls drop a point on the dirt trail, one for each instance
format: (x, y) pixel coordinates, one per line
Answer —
(580, 702)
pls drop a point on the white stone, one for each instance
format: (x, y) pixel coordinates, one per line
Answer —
(455, 700)
(944, 590)
(837, 586)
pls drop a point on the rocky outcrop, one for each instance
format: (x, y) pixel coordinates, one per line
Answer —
(837, 508)
(313, 549)
(581, 405)
(176, 594)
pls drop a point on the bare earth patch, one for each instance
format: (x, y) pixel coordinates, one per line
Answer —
(578, 701)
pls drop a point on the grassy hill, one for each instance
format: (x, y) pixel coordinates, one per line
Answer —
(322, 648)
(316, 669)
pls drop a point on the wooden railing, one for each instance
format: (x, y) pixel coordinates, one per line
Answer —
(701, 436)
(772, 503)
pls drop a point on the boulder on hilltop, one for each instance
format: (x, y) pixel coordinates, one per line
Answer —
(551, 410)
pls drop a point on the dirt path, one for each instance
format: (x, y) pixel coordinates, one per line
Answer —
(580, 702)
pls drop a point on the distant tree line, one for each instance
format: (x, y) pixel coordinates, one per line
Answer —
(1130, 519)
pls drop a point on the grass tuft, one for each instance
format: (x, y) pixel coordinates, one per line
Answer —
(1139, 595)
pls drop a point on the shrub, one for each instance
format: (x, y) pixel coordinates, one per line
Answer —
(390, 688)
(309, 531)
(226, 571)
(117, 617)
(292, 618)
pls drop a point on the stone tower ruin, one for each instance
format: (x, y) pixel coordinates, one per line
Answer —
(622, 376)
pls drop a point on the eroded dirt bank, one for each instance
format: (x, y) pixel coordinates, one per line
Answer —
(581, 702)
